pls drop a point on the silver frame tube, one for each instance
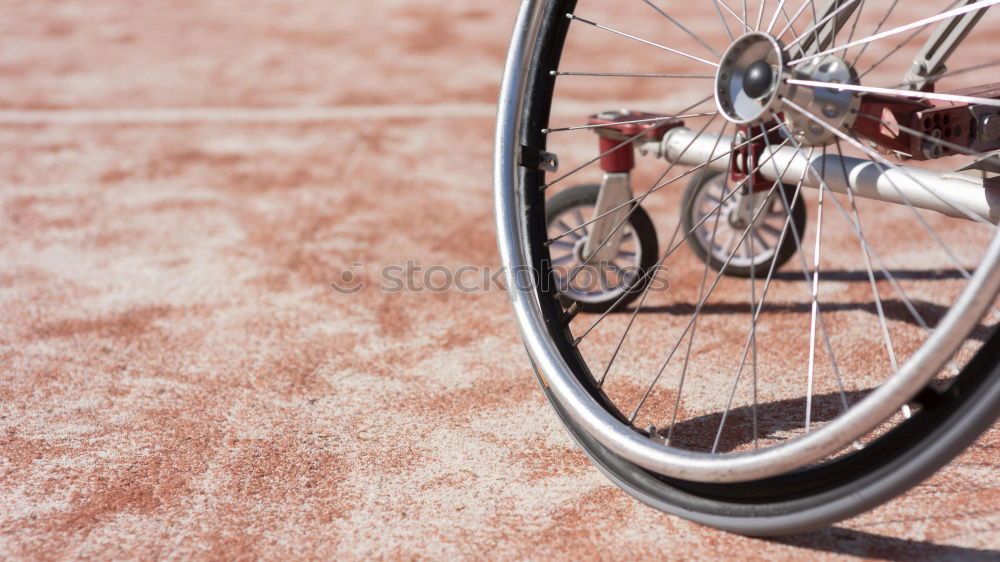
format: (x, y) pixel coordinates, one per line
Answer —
(956, 195)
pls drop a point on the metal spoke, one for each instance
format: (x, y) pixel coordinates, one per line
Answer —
(760, 307)
(871, 275)
(630, 74)
(663, 185)
(684, 29)
(894, 92)
(673, 248)
(889, 53)
(795, 16)
(894, 31)
(694, 327)
(815, 303)
(734, 14)
(790, 28)
(697, 311)
(774, 18)
(616, 147)
(884, 270)
(805, 270)
(880, 158)
(563, 224)
(725, 25)
(753, 318)
(745, 249)
(715, 283)
(857, 18)
(646, 41)
(877, 29)
(647, 120)
(814, 28)
(638, 202)
(760, 16)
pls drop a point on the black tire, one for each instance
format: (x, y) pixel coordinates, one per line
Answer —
(805, 499)
(586, 195)
(783, 253)
(815, 497)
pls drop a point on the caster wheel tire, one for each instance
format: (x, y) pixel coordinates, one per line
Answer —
(756, 252)
(609, 284)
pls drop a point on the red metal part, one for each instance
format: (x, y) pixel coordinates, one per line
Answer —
(884, 120)
(621, 125)
(621, 159)
(747, 157)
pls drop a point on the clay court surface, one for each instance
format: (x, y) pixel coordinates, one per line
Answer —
(179, 184)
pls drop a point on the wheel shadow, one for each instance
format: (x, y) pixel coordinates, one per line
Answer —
(894, 309)
(856, 276)
(834, 540)
(838, 540)
(697, 433)
(773, 418)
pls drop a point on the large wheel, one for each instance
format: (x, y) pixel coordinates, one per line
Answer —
(787, 400)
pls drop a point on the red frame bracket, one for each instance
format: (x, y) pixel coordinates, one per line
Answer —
(884, 119)
(621, 125)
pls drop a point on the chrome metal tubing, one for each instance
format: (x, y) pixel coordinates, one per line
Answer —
(953, 194)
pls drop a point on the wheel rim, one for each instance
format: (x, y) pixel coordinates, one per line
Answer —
(566, 385)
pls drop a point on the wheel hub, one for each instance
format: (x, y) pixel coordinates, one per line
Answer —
(836, 108)
(750, 89)
(736, 220)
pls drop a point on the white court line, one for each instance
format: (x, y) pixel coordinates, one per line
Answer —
(194, 115)
(170, 115)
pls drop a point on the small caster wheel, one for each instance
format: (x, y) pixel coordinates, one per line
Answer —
(705, 192)
(598, 285)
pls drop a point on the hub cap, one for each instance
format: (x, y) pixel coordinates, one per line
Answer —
(749, 79)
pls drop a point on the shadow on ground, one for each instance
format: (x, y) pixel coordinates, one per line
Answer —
(838, 540)
(899, 310)
(773, 418)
